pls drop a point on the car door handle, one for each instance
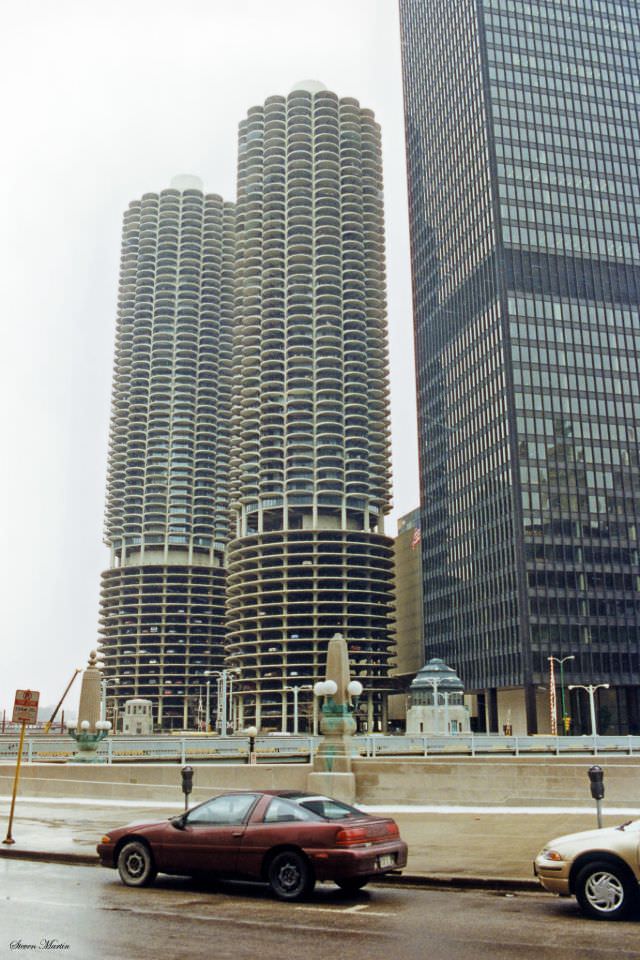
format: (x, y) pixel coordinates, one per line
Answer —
(236, 833)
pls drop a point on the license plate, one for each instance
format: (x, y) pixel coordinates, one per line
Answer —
(386, 861)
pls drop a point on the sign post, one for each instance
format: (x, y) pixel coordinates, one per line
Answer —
(25, 710)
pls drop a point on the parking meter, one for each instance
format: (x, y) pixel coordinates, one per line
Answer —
(252, 733)
(596, 779)
(596, 776)
(187, 783)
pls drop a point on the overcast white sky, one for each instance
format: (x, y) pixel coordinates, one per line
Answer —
(103, 102)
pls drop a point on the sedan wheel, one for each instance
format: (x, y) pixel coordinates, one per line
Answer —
(135, 865)
(290, 876)
(604, 892)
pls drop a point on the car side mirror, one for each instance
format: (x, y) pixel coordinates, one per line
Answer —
(179, 822)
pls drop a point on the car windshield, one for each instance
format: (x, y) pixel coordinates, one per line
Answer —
(327, 808)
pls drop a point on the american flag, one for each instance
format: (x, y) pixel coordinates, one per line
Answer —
(415, 539)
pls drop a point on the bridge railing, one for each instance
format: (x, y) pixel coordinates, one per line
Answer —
(270, 749)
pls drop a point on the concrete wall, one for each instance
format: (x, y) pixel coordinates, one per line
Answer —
(548, 781)
(146, 781)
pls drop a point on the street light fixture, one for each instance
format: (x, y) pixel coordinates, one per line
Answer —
(295, 689)
(223, 676)
(552, 693)
(104, 681)
(591, 689)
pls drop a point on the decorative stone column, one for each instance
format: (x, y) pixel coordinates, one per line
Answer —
(90, 729)
(332, 772)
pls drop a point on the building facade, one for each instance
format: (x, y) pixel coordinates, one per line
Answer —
(523, 164)
(166, 523)
(310, 469)
(409, 655)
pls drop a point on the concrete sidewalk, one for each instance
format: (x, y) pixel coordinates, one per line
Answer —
(473, 846)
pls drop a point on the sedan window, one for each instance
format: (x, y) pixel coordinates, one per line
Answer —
(329, 809)
(231, 808)
(281, 810)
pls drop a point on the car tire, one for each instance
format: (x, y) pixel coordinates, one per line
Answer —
(353, 884)
(605, 891)
(290, 875)
(135, 864)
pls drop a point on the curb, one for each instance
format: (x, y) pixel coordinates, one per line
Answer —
(461, 883)
(395, 880)
(81, 859)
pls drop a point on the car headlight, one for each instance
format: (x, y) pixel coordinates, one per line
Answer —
(554, 855)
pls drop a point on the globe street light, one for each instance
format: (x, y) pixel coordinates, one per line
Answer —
(561, 661)
(591, 689)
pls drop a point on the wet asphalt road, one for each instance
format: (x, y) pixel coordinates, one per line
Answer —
(85, 913)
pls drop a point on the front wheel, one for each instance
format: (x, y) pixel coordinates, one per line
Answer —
(353, 884)
(135, 864)
(291, 876)
(605, 891)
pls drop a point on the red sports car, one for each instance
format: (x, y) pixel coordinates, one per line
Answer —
(284, 838)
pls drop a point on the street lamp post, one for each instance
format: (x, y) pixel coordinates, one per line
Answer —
(591, 689)
(561, 661)
(104, 681)
(223, 676)
(295, 690)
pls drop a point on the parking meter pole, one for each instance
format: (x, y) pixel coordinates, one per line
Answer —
(252, 733)
(596, 780)
(599, 813)
(187, 784)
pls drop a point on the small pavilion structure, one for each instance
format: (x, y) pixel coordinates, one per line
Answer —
(436, 702)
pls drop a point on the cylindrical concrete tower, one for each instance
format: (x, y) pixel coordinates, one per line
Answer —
(310, 468)
(162, 604)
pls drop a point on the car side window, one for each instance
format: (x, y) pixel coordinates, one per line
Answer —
(230, 809)
(330, 809)
(281, 811)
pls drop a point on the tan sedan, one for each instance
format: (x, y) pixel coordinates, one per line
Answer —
(600, 867)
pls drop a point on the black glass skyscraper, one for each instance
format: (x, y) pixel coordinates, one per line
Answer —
(523, 153)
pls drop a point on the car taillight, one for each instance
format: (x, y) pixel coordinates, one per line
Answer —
(392, 829)
(350, 836)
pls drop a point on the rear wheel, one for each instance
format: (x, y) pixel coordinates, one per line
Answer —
(353, 884)
(135, 864)
(290, 876)
(605, 891)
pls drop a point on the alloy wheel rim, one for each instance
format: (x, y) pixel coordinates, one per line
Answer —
(289, 876)
(135, 864)
(604, 892)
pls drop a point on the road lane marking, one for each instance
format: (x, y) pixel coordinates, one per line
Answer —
(208, 918)
(356, 908)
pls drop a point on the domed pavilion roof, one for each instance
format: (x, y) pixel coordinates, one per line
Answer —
(437, 670)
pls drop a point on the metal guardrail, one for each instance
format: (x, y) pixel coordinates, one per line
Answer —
(173, 749)
(488, 744)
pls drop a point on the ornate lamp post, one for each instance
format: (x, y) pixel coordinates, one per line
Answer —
(332, 763)
(90, 730)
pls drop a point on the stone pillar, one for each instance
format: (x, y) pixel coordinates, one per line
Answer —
(332, 772)
(90, 694)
